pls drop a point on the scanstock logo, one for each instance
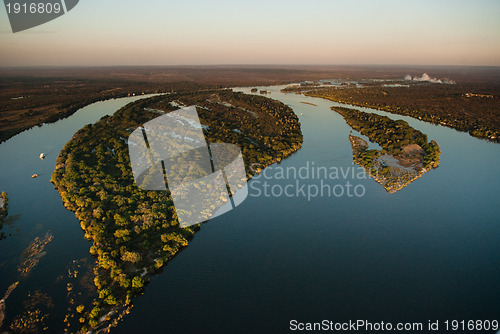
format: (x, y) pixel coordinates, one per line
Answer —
(26, 14)
(204, 179)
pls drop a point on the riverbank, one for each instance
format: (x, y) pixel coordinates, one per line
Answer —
(135, 232)
(389, 174)
(480, 121)
(33, 96)
(4, 211)
(406, 153)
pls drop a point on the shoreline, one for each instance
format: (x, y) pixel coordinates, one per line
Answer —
(389, 109)
(117, 292)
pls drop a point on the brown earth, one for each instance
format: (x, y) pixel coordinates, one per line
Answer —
(32, 96)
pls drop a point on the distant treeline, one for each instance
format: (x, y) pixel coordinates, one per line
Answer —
(27, 102)
(448, 105)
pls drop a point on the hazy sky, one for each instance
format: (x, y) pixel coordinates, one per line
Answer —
(165, 32)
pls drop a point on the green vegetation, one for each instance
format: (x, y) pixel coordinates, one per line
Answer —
(3, 206)
(49, 100)
(393, 136)
(405, 156)
(36, 312)
(31, 255)
(135, 232)
(33, 96)
(448, 105)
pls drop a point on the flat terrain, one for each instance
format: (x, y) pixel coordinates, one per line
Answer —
(31, 96)
(466, 100)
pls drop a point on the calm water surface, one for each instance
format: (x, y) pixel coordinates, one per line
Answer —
(430, 251)
(40, 210)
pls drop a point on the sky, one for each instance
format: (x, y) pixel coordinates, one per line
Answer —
(202, 32)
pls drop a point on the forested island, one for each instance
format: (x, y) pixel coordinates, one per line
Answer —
(405, 156)
(135, 232)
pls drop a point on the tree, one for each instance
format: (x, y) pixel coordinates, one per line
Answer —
(131, 257)
(137, 282)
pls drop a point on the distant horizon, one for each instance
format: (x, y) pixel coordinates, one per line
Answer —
(278, 32)
(247, 65)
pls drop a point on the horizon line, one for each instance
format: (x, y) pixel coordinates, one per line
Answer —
(241, 65)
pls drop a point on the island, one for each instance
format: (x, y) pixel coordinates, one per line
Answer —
(309, 103)
(136, 232)
(405, 155)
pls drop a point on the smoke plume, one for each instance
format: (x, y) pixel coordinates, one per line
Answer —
(426, 77)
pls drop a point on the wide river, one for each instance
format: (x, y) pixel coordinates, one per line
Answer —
(428, 252)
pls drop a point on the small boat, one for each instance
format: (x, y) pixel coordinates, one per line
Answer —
(34, 175)
(42, 156)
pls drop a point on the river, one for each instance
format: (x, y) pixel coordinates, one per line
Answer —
(427, 252)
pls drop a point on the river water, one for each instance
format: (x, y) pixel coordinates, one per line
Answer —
(428, 252)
